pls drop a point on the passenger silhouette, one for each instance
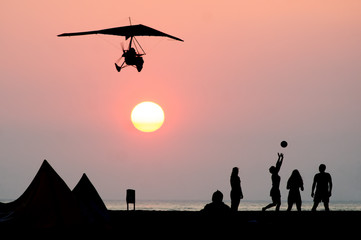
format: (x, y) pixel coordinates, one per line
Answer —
(131, 58)
(236, 189)
(217, 205)
(323, 184)
(276, 179)
(294, 184)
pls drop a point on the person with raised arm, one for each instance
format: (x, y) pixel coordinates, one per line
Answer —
(276, 179)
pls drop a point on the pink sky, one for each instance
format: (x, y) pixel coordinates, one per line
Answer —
(248, 75)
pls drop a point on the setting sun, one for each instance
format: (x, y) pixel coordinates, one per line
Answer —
(147, 116)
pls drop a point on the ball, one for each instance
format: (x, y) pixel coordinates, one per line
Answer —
(284, 144)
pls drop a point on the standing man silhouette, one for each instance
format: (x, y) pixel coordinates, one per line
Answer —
(323, 184)
(276, 179)
(236, 190)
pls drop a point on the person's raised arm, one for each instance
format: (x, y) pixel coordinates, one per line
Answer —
(279, 162)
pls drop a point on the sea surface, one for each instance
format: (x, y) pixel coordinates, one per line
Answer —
(195, 205)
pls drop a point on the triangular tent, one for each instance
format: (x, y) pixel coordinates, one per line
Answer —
(47, 202)
(92, 205)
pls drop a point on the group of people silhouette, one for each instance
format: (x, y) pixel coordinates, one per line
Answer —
(321, 190)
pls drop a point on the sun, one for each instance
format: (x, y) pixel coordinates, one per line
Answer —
(147, 116)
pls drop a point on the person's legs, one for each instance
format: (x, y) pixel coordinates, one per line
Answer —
(298, 205)
(278, 205)
(290, 204)
(315, 204)
(276, 202)
(325, 204)
(235, 204)
(269, 206)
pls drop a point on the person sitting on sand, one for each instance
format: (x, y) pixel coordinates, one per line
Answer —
(323, 184)
(217, 205)
(276, 179)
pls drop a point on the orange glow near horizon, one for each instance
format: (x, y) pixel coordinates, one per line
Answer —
(147, 117)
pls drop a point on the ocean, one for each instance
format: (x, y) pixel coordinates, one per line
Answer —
(196, 205)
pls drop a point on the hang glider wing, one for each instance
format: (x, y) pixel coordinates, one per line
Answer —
(126, 31)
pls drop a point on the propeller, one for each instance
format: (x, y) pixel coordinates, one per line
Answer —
(122, 45)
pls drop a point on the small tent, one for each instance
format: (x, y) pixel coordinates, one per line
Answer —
(92, 205)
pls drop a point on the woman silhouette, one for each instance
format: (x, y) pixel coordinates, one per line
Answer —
(294, 184)
(236, 189)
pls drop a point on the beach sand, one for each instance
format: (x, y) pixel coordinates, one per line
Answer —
(256, 223)
(199, 225)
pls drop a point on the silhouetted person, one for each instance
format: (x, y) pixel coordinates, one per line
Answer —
(294, 184)
(276, 179)
(236, 189)
(323, 184)
(217, 205)
(131, 57)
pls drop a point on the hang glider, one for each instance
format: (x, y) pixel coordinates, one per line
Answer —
(132, 56)
(126, 31)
